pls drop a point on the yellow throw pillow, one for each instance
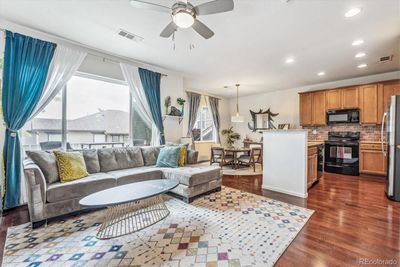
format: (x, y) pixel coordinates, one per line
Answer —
(71, 165)
(182, 156)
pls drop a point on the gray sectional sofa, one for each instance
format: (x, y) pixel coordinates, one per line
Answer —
(110, 167)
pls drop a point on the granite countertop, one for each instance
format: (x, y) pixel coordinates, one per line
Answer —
(315, 143)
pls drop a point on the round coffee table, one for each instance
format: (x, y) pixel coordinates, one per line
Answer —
(131, 207)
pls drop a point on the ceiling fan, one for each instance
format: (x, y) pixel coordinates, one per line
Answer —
(184, 14)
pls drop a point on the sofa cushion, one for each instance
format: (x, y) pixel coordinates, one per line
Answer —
(47, 164)
(71, 165)
(193, 175)
(79, 188)
(133, 175)
(150, 154)
(168, 157)
(91, 160)
(119, 158)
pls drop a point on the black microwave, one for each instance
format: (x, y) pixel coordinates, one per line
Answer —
(343, 116)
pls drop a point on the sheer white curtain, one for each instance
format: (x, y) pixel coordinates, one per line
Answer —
(139, 101)
(64, 64)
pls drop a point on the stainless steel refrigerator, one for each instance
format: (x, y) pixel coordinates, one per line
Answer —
(390, 134)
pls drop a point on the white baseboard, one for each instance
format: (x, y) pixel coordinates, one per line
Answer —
(296, 194)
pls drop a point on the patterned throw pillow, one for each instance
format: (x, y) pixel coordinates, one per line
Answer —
(71, 165)
(169, 157)
(182, 156)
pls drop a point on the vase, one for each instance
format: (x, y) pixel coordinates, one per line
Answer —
(183, 109)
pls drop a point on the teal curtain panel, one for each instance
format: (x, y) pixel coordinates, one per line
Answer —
(26, 63)
(151, 86)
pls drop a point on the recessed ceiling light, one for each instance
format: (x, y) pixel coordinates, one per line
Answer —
(358, 42)
(361, 66)
(321, 73)
(352, 12)
(359, 55)
(289, 60)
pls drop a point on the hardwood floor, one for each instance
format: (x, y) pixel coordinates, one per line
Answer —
(353, 220)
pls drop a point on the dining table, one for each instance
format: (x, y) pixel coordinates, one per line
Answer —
(235, 151)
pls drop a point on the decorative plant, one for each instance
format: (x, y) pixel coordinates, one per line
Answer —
(181, 102)
(167, 103)
(231, 136)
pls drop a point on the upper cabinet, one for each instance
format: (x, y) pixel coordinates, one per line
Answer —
(389, 89)
(372, 100)
(350, 97)
(371, 103)
(312, 108)
(306, 109)
(333, 99)
(342, 98)
(318, 108)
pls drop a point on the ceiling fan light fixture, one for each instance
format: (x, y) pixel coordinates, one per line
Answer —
(183, 19)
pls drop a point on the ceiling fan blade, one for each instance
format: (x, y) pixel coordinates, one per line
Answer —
(169, 30)
(202, 29)
(213, 7)
(151, 6)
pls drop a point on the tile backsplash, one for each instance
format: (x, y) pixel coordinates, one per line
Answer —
(368, 133)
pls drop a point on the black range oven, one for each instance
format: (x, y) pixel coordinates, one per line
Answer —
(342, 153)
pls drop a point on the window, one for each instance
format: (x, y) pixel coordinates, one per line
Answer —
(45, 128)
(97, 115)
(96, 106)
(141, 129)
(204, 129)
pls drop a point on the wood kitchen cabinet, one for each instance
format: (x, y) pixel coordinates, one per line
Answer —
(318, 108)
(333, 99)
(389, 89)
(371, 99)
(312, 166)
(372, 160)
(371, 103)
(306, 109)
(342, 98)
(312, 108)
(349, 97)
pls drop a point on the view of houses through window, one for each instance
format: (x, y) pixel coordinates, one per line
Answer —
(204, 129)
(97, 116)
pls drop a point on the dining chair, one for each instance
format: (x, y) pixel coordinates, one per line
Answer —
(218, 156)
(252, 159)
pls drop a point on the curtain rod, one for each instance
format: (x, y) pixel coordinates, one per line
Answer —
(102, 57)
(116, 61)
(202, 93)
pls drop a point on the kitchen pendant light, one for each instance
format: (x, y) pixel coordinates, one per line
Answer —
(237, 117)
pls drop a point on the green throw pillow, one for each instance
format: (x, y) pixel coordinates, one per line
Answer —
(169, 157)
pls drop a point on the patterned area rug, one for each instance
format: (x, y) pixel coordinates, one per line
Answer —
(228, 228)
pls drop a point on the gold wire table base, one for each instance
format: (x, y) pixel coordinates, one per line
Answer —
(131, 217)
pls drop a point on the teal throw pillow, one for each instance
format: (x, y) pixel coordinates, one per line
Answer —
(168, 157)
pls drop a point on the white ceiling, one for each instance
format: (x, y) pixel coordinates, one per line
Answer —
(250, 43)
